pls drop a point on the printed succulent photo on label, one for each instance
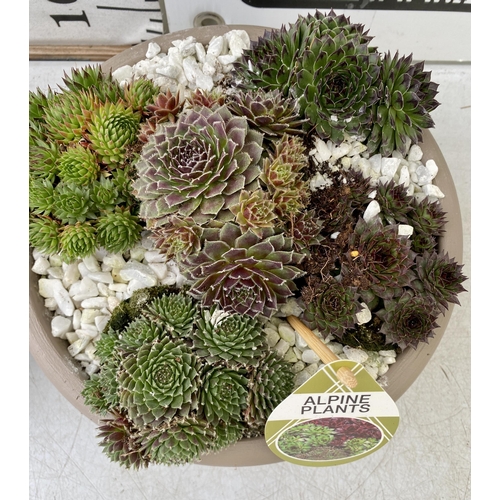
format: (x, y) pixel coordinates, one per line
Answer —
(324, 423)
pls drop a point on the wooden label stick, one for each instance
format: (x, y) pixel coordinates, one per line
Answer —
(344, 374)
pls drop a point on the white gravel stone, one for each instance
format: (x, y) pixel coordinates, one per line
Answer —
(287, 333)
(309, 356)
(272, 337)
(432, 191)
(415, 153)
(357, 355)
(41, 265)
(363, 316)
(101, 322)
(140, 272)
(302, 377)
(281, 347)
(153, 50)
(371, 211)
(95, 302)
(60, 326)
(389, 166)
(405, 230)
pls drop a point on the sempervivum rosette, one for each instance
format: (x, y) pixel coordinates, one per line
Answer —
(232, 338)
(197, 166)
(409, 319)
(244, 273)
(158, 382)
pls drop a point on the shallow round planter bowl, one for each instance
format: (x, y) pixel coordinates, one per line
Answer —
(65, 373)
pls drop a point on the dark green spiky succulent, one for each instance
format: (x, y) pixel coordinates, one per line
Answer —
(176, 313)
(440, 276)
(394, 202)
(197, 166)
(409, 319)
(118, 231)
(244, 273)
(324, 62)
(178, 237)
(269, 112)
(331, 307)
(223, 395)
(234, 338)
(428, 221)
(105, 195)
(404, 108)
(41, 196)
(270, 383)
(170, 400)
(159, 382)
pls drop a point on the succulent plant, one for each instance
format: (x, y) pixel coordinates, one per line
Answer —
(394, 202)
(331, 307)
(409, 319)
(159, 382)
(175, 312)
(325, 62)
(44, 234)
(83, 142)
(269, 112)
(72, 203)
(166, 107)
(223, 394)
(305, 230)
(440, 276)
(121, 442)
(232, 338)
(428, 221)
(187, 439)
(270, 383)
(78, 164)
(200, 98)
(177, 237)
(282, 168)
(404, 108)
(118, 231)
(244, 273)
(112, 128)
(197, 166)
(254, 211)
(378, 259)
(78, 240)
(175, 379)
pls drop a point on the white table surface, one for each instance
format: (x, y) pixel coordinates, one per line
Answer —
(429, 458)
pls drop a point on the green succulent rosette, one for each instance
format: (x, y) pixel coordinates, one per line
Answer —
(223, 394)
(232, 338)
(159, 382)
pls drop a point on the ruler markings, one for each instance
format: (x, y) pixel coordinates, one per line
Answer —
(154, 32)
(130, 9)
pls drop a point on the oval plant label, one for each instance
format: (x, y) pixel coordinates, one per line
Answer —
(324, 422)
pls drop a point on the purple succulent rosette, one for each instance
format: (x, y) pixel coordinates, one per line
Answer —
(198, 166)
(242, 272)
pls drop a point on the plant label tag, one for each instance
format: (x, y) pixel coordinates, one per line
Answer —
(324, 422)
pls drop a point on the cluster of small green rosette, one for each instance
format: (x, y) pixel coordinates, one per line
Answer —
(178, 381)
(83, 141)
